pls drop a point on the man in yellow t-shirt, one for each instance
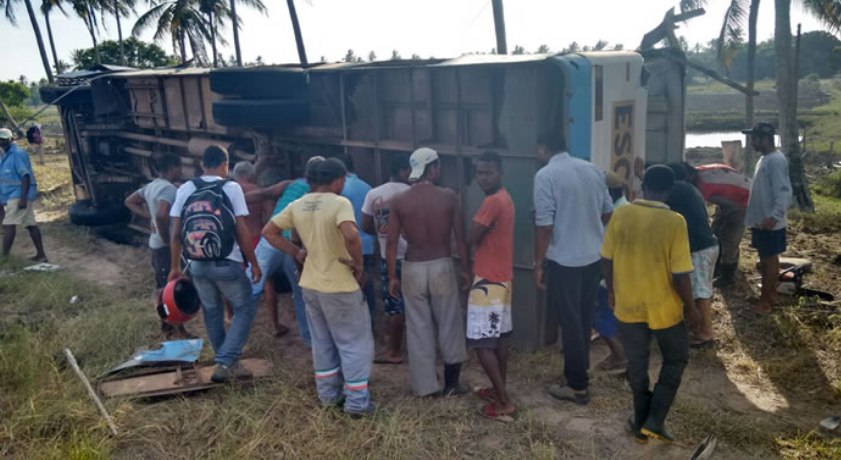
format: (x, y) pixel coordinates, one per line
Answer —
(647, 265)
(338, 318)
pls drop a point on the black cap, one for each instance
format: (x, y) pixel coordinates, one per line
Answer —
(763, 128)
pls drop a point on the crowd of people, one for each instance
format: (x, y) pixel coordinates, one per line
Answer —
(632, 269)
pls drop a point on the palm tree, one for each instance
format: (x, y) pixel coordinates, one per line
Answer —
(215, 10)
(8, 8)
(257, 5)
(47, 7)
(119, 8)
(183, 21)
(87, 10)
(296, 27)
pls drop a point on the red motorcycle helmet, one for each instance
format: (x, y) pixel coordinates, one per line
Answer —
(179, 302)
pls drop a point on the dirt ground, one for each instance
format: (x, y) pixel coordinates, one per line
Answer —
(760, 391)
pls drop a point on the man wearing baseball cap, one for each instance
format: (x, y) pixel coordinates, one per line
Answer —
(770, 197)
(429, 217)
(17, 193)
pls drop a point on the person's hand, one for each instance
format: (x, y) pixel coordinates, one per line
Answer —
(768, 224)
(465, 280)
(23, 203)
(394, 288)
(256, 273)
(358, 270)
(301, 256)
(174, 275)
(538, 277)
(693, 317)
(611, 300)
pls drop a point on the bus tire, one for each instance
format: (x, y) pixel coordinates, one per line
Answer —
(86, 214)
(276, 113)
(260, 82)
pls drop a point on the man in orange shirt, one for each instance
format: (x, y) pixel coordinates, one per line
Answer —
(489, 304)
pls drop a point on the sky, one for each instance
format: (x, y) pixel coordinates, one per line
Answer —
(438, 28)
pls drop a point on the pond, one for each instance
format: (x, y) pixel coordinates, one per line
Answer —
(712, 139)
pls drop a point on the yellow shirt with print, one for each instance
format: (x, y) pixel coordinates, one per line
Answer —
(648, 243)
(316, 218)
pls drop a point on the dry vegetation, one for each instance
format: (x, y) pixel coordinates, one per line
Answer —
(761, 392)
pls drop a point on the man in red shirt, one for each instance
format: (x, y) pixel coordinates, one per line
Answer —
(729, 190)
(489, 304)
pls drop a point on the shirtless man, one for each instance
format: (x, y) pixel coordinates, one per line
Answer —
(243, 174)
(428, 216)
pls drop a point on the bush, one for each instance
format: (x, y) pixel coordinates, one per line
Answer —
(830, 185)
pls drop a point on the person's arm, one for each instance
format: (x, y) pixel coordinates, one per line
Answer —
(780, 194)
(368, 224)
(680, 265)
(724, 202)
(175, 249)
(137, 205)
(607, 204)
(272, 192)
(544, 221)
(461, 247)
(475, 234)
(162, 219)
(683, 286)
(391, 249)
(274, 235)
(353, 244)
(25, 182)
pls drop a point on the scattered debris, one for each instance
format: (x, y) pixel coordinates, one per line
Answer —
(705, 449)
(42, 267)
(172, 352)
(74, 300)
(91, 393)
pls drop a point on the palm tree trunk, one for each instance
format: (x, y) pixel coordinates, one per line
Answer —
(120, 34)
(235, 21)
(296, 27)
(39, 39)
(212, 37)
(750, 155)
(786, 99)
(91, 24)
(183, 47)
(52, 42)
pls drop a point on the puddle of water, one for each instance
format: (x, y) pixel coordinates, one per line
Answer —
(714, 139)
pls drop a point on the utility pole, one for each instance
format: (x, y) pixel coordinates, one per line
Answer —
(499, 25)
(299, 39)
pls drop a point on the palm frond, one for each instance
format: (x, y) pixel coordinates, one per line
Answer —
(147, 19)
(255, 4)
(685, 5)
(826, 11)
(9, 11)
(732, 32)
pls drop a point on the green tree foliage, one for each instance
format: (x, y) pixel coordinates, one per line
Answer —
(138, 54)
(542, 49)
(519, 50)
(13, 93)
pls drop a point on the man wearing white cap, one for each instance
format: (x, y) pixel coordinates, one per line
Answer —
(428, 217)
(17, 193)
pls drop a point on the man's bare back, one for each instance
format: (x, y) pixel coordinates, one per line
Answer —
(426, 216)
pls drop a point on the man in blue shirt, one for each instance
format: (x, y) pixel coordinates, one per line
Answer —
(355, 190)
(17, 195)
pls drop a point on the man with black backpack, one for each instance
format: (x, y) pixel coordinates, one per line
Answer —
(209, 229)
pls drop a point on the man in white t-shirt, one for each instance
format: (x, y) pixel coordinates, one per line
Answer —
(223, 277)
(375, 213)
(153, 202)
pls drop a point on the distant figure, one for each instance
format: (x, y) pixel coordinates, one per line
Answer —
(342, 341)
(271, 259)
(376, 211)
(355, 190)
(571, 206)
(18, 190)
(687, 201)
(770, 197)
(489, 323)
(729, 190)
(153, 202)
(647, 266)
(208, 227)
(605, 321)
(429, 217)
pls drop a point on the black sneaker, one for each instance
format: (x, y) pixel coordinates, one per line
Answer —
(222, 373)
(565, 393)
(367, 412)
(458, 390)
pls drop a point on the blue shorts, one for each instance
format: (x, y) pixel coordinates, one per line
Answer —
(768, 242)
(604, 322)
(391, 305)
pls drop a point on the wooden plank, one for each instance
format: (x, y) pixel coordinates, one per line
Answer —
(174, 382)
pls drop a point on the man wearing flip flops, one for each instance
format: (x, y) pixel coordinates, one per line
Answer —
(17, 195)
(489, 305)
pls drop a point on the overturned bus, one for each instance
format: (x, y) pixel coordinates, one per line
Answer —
(616, 109)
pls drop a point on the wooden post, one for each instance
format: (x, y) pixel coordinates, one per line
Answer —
(499, 26)
(91, 393)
